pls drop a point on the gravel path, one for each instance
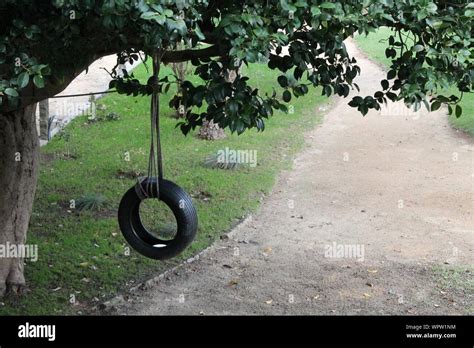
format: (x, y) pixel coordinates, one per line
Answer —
(371, 207)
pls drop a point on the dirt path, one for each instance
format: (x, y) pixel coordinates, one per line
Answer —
(398, 184)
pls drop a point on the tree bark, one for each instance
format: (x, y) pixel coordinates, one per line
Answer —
(19, 137)
(180, 70)
(19, 159)
(211, 131)
(43, 119)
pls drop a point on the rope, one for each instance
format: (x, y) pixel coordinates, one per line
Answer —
(155, 160)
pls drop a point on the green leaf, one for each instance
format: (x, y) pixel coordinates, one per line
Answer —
(23, 79)
(233, 107)
(283, 81)
(315, 11)
(356, 101)
(435, 106)
(199, 33)
(458, 111)
(38, 81)
(364, 109)
(418, 48)
(11, 92)
(328, 5)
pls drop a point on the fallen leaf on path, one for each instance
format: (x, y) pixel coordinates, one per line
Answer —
(233, 282)
(267, 250)
(269, 302)
(367, 295)
(370, 285)
(372, 271)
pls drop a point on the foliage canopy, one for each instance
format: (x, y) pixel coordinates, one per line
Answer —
(45, 44)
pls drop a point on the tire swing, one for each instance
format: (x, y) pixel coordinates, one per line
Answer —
(155, 187)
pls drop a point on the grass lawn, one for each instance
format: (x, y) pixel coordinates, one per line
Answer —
(374, 46)
(82, 255)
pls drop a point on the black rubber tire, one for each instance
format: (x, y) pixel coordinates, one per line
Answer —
(140, 238)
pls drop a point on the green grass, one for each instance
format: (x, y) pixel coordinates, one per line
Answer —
(466, 121)
(374, 46)
(456, 279)
(83, 253)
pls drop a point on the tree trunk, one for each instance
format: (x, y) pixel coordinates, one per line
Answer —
(209, 130)
(19, 159)
(43, 119)
(180, 70)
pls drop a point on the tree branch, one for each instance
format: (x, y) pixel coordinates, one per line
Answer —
(186, 55)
